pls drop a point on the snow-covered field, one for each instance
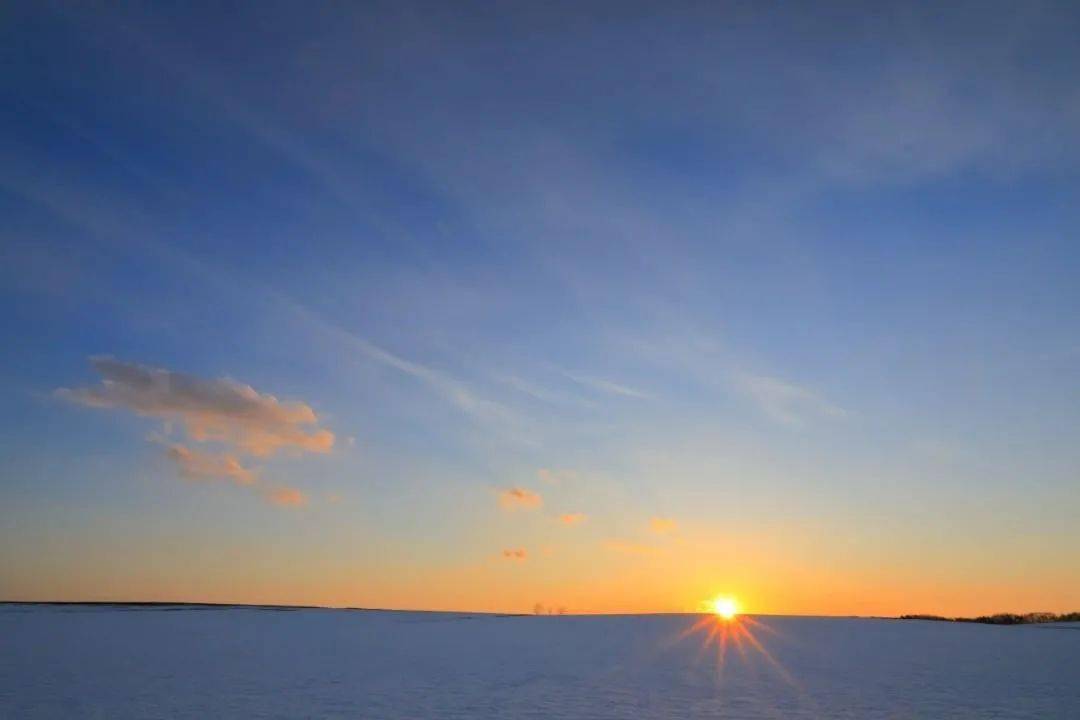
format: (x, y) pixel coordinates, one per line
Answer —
(111, 663)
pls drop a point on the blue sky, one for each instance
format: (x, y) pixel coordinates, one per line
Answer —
(801, 281)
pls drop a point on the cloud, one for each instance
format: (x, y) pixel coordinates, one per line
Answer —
(552, 397)
(197, 465)
(785, 402)
(572, 518)
(516, 497)
(515, 554)
(220, 410)
(607, 386)
(453, 390)
(663, 526)
(287, 497)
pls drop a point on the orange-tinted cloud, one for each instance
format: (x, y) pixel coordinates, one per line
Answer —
(219, 410)
(517, 497)
(515, 554)
(572, 518)
(197, 465)
(287, 497)
(663, 526)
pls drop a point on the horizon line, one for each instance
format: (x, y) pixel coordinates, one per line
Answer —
(494, 613)
(287, 606)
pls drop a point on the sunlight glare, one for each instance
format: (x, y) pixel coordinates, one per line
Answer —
(725, 608)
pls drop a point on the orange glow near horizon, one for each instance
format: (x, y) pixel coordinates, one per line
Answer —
(767, 576)
(723, 607)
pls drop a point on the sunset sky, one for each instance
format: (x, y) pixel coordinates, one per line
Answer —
(608, 307)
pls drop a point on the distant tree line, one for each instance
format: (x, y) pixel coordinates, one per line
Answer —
(539, 609)
(1003, 618)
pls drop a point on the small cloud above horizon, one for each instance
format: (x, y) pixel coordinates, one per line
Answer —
(196, 465)
(287, 497)
(570, 519)
(518, 497)
(663, 526)
(515, 554)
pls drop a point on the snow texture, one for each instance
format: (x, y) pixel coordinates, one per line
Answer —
(79, 662)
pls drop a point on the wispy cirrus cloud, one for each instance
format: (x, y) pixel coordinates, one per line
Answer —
(708, 362)
(544, 394)
(609, 387)
(518, 497)
(453, 390)
(785, 402)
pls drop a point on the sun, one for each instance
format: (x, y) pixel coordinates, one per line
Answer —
(725, 608)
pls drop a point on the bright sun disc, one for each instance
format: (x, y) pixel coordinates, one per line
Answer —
(724, 607)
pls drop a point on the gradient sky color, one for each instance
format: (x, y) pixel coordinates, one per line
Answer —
(606, 306)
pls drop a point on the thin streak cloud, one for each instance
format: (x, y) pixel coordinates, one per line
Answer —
(786, 402)
(609, 387)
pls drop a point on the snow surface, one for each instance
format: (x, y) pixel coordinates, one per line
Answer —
(65, 662)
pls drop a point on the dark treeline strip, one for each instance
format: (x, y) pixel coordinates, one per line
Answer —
(1003, 618)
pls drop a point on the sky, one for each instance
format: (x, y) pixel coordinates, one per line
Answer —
(609, 307)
